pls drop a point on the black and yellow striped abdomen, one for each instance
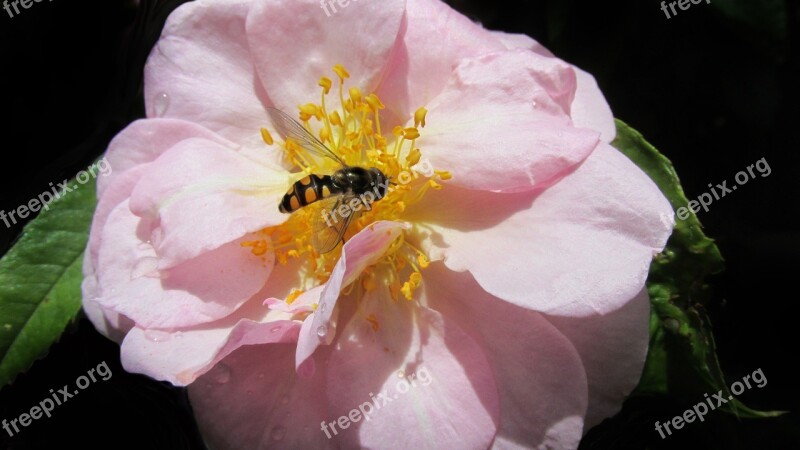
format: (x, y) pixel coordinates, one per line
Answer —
(306, 191)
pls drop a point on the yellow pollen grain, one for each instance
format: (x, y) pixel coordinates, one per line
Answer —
(443, 174)
(411, 133)
(335, 118)
(341, 71)
(326, 84)
(423, 261)
(266, 136)
(293, 296)
(355, 95)
(419, 117)
(373, 101)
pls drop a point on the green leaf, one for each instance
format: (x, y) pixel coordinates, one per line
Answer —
(682, 360)
(40, 280)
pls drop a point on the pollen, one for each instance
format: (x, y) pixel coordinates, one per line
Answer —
(349, 124)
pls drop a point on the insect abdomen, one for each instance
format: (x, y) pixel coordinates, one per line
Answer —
(306, 191)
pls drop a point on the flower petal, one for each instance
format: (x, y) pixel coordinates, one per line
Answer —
(580, 247)
(433, 41)
(181, 355)
(203, 195)
(201, 70)
(433, 386)
(145, 140)
(200, 290)
(291, 55)
(109, 323)
(539, 375)
(589, 109)
(621, 336)
(362, 250)
(254, 399)
(509, 133)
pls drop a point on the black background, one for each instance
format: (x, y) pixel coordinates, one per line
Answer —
(714, 92)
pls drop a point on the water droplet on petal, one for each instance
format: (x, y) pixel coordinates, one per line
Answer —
(222, 373)
(284, 399)
(179, 335)
(157, 335)
(401, 374)
(322, 330)
(535, 105)
(322, 307)
(275, 329)
(278, 433)
(160, 104)
(261, 376)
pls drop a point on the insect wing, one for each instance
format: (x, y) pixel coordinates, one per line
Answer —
(329, 226)
(289, 128)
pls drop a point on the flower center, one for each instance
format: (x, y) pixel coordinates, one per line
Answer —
(354, 133)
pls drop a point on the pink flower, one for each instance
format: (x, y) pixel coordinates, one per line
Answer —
(493, 298)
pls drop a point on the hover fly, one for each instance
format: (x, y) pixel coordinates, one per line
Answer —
(365, 185)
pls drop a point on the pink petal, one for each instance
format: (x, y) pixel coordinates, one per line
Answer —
(181, 355)
(580, 247)
(434, 40)
(107, 322)
(589, 109)
(116, 192)
(428, 383)
(295, 43)
(506, 133)
(199, 290)
(204, 195)
(620, 337)
(254, 399)
(362, 250)
(145, 140)
(201, 70)
(539, 375)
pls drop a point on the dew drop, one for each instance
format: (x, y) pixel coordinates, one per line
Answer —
(261, 376)
(278, 433)
(535, 105)
(401, 374)
(179, 335)
(7, 326)
(160, 104)
(284, 399)
(275, 329)
(322, 307)
(157, 335)
(222, 373)
(322, 330)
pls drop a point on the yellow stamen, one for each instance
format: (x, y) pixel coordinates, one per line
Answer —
(419, 117)
(266, 136)
(341, 71)
(293, 296)
(354, 134)
(326, 84)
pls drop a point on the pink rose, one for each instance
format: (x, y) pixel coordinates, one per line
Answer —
(493, 298)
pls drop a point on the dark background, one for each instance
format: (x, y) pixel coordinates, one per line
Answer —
(714, 88)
